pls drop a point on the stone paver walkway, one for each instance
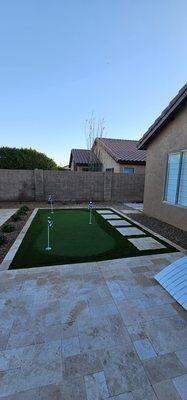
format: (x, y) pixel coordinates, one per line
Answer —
(5, 214)
(92, 332)
(124, 211)
(130, 231)
(110, 216)
(147, 243)
(135, 206)
(104, 211)
(119, 222)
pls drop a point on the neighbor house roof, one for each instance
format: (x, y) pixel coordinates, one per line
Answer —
(123, 151)
(167, 115)
(81, 157)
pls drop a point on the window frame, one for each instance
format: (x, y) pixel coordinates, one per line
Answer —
(133, 168)
(109, 169)
(180, 152)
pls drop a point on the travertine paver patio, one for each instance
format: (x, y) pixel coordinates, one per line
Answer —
(147, 243)
(91, 332)
(5, 214)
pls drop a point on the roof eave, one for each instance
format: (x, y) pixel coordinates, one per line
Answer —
(131, 162)
(169, 116)
(70, 160)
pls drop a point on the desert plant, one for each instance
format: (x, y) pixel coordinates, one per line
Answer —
(21, 212)
(16, 217)
(8, 228)
(24, 208)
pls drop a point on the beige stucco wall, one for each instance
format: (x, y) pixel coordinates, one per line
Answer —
(75, 167)
(138, 169)
(108, 162)
(172, 137)
(81, 168)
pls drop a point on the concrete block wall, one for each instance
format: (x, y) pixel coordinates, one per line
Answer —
(74, 186)
(67, 186)
(128, 187)
(17, 185)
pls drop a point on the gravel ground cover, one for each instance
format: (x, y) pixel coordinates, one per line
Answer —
(168, 231)
(11, 236)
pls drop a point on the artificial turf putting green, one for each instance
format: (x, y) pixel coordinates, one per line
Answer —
(73, 240)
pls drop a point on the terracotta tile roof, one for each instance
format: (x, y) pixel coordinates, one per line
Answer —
(81, 157)
(167, 114)
(122, 150)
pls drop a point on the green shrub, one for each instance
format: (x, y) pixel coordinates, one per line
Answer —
(8, 228)
(21, 212)
(16, 217)
(24, 208)
(2, 238)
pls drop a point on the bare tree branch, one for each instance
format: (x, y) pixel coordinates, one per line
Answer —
(93, 128)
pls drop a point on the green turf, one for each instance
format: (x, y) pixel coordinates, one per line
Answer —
(74, 240)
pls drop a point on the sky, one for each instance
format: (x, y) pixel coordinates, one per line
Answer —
(61, 60)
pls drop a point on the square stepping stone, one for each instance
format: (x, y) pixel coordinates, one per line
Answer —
(130, 231)
(147, 243)
(110, 216)
(104, 212)
(119, 222)
(144, 349)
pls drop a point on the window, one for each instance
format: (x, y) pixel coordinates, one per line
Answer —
(110, 169)
(176, 179)
(128, 170)
(182, 198)
(85, 169)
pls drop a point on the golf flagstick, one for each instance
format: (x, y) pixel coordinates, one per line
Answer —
(49, 225)
(52, 206)
(50, 200)
(90, 206)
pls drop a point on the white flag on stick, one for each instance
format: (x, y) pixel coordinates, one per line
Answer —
(49, 226)
(50, 201)
(90, 207)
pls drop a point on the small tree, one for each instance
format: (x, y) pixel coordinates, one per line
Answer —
(93, 128)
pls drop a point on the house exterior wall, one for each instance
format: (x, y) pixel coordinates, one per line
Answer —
(138, 169)
(108, 162)
(75, 167)
(172, 138)
(80, 168)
